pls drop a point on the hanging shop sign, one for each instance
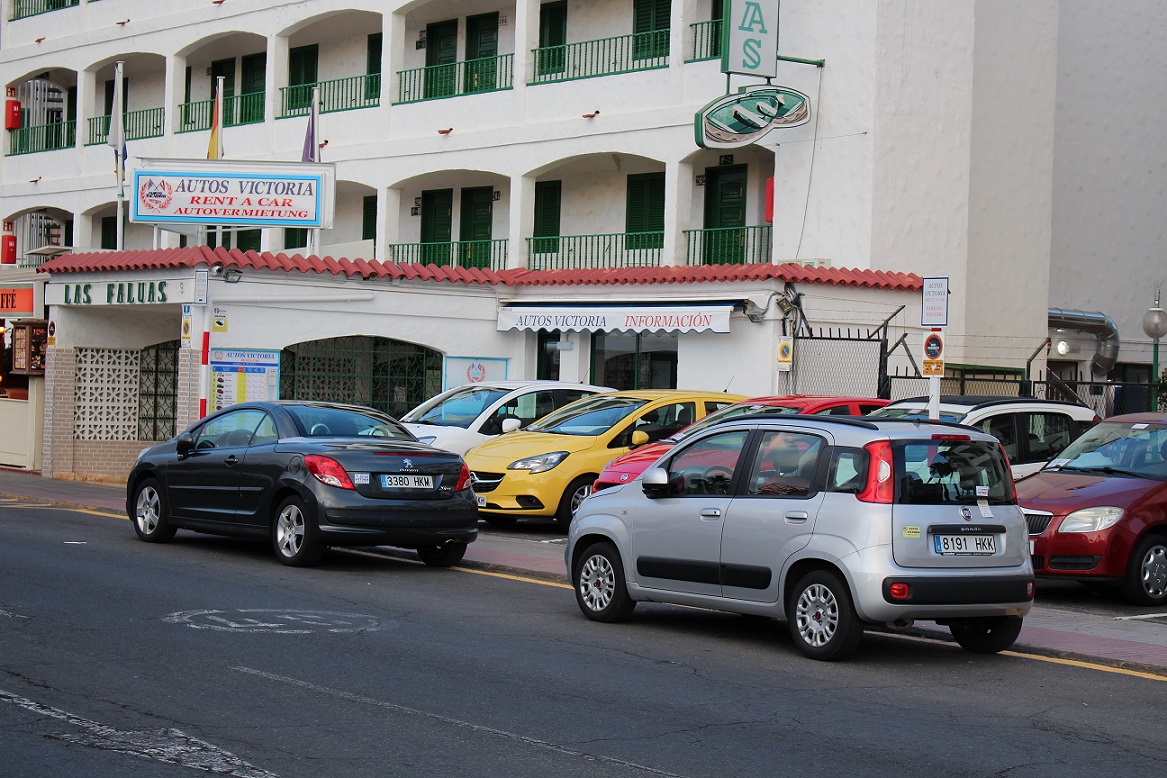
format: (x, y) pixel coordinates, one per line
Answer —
(150, 291)
(240, 375)
(741, 118)
(749, 37)
(16, 301)
(229, 193)
(632, 318)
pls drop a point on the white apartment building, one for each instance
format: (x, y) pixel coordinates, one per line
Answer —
(549, 148)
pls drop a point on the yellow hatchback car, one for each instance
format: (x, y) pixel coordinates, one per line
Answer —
(548, 468)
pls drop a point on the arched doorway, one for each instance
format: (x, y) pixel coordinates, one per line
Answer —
(390, 375)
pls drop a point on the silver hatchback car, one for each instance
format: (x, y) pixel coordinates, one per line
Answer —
(827, 523)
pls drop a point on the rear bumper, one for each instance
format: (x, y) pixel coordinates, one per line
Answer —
(929, 590)
(409, 524)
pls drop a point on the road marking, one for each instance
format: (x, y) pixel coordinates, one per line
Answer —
(168, 745)
(477, 728)
(1141, 616)
(285, 621)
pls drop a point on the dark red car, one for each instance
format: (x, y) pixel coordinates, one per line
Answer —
(630, 465)
(1098, 513)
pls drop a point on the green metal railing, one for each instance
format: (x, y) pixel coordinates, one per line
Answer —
(603, 57)
(238, 109)
(706, 40)
(574, 252)
(729, 245)
(339, 94)
(146, 123)
(43, 137)
(488, 74)
(22, 9)
(486, 254)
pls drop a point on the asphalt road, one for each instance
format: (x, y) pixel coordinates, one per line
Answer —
(119, 658)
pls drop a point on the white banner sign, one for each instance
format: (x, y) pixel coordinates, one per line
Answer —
(643, 318)
(750, 37)
(218, 192)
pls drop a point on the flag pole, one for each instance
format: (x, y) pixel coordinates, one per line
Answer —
(314, 119)
(117, 138)
(215, 144)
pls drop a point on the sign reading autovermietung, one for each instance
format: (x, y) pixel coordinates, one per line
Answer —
(217, 192)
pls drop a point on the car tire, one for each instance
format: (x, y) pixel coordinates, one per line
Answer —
(499, 521)
(573, 495)
(822, 617)
(986, 635)
(292, 535)
(1146, 578)
(600, 589)
(151, 520)
(445, 555)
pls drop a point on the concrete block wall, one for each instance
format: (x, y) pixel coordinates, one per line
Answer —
(60, 406)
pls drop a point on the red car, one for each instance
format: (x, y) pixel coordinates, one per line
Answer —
(1098, 513)
(630, 465)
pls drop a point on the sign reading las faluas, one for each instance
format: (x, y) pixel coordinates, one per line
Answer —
(234, 193)
(749, 37)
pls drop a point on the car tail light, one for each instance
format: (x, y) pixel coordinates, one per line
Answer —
(950, 436)
(463, 479)
(1009, 474)
(880, 486)
(327, 470)
(899, 591)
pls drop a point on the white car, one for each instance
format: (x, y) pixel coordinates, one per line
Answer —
(459, 419)
(1032, 431)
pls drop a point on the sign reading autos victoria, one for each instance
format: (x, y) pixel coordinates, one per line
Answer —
(239, 193)
(635, 318)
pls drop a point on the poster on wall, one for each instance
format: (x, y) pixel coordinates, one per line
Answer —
(239, 375)
(473, 370)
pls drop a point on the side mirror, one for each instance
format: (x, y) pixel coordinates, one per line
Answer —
(184, 445)
(510, 425)
(639, 438)
(655, 482)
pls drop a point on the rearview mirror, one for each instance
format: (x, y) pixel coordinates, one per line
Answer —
(655, 482)
(185, 444)
(510, 425)
(639, 438)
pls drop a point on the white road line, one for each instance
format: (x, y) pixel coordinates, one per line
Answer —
(1141, 616)
(478, 728)
(169, 745)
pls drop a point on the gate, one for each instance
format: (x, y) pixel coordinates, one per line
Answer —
(841, 362)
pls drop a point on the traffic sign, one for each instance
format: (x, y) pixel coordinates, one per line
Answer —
(934, 304)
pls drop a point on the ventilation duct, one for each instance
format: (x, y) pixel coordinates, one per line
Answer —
(1094, 323)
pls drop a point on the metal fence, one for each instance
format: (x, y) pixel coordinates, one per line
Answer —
(841, 362)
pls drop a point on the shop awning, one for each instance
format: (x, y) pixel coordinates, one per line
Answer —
(694, 317)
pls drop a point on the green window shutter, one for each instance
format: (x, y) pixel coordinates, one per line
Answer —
(373, 55)
(186, 92)
(302, 64)
(553, 24)
(295, 238)
(369, 218)
(548, 207)
(646, 209)
(650, 15)
(109, 232)
(247, 240)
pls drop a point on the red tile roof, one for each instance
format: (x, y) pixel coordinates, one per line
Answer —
(193, 256)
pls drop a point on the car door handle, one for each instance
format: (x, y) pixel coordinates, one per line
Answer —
(711, 513)
(231, 460)
(797, 517)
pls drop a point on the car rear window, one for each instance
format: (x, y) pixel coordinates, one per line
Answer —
(319, 421)
(951, 472)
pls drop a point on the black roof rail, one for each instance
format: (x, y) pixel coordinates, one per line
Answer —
(851, 421)
(984, 401)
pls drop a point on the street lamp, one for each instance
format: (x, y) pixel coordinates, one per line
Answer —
(1155, 326)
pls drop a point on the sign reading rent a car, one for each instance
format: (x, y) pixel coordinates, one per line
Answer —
(219, 192)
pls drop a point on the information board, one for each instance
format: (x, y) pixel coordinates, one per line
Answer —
(240, 375)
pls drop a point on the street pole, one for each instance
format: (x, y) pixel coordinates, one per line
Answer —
(1155, 327)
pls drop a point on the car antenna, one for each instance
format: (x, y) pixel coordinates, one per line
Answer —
(726, 389)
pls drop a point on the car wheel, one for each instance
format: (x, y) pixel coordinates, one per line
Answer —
(150, 517)
(987, 635)
(445, 555)
(822, 618)
(600, 589)
(576, 492)
(292, 535)
(499, 521)
(1146, 579)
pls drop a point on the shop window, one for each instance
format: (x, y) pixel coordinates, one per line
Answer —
(547, 363)
(390, 375)
(13, 386)
(158, 391)
(295, 238)
(634, 360)
(247, 240)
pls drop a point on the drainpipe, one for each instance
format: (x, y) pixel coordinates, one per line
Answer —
(1095, 323)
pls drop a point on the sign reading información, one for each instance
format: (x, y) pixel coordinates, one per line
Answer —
(218, 192)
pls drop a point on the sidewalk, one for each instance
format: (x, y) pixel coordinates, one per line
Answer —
(1138, 643)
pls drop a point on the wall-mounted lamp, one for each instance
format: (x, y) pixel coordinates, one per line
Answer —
(785, 306)
(446, 131)
(323, 143)
(1064, 347)
(232, 275)
(592, 115)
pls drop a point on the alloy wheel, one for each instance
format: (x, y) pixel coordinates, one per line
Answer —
(147, 510)
(290, 531)
(597, 582)
(817, 615)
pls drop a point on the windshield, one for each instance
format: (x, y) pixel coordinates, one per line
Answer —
(592, 416)
(457, 409)
(1116, 447)
(732, 412)
(956, 472)
(916, 413)
(318, 421)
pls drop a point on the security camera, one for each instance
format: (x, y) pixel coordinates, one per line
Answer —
(218, 270)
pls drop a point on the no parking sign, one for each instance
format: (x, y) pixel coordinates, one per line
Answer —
(933, 354)
(785, 354)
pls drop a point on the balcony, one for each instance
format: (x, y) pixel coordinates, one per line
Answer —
(603, 57)
(706, 40)
(146, 123)
(613, 250)
(729, 246)
(237, 110)
(22, 9)
(488, 74)
(485, 254)
(44, 137)
(340, 94)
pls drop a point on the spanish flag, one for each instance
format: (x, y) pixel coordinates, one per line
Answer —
(215, 146)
